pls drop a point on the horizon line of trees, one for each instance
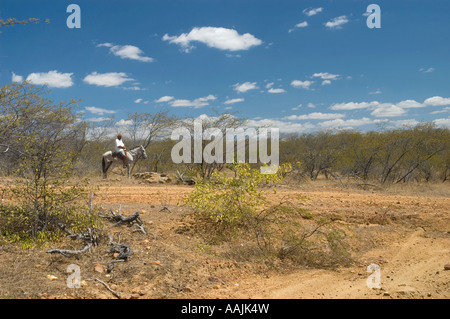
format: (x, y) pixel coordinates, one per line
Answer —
(32, 127)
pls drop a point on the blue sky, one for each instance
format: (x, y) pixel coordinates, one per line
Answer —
(300, 66)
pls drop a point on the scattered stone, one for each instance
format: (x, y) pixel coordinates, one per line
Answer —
(188, 289)
(153, 178)
(83, 283)
(116, 255)
(134, 296)
(447, 267)
(142, 292)
(157, 262)
(216, 287)
(386, 294)
(99, 268)
(52, 278)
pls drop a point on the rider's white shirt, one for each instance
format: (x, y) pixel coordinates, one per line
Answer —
(119, 143)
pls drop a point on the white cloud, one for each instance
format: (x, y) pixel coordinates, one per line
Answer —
(326, 76)
(444, 110)
(197, 103)
(311, 105)
(437, 101)
(408, 104)
(284, 126)
(164, 99)
(302, 84)
(16, 78)
(269, 85)
(326, 82)
(353, 106)
(340, 123)
(276, 91)
(138, 101)
(51, 79)
(219, 38)
(443, 122)
(337, 22)
(388, 110)
(378, 91)
(127, 52)
(303, 24)
(429, 70)
(98, 119)
(98, 110)
(315, 116)
(107, 79)
(233, 101)
(134, 88)
(247, 86)
(124, 122)
(312, 11)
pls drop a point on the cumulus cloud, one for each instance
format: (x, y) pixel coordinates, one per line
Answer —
(233, 101)
(337, 22)
(107, 79)
(443, 122)
(336, 123)
(302, 84)
(408, 104)
(164, 99)
(315, 116)
(326, 76)
(303, 24)
(218, 38)
(53, 79)
(197, 103)
(244, 87)
(425, 70)
(276, 91)
(437, 101)
(98, 110)
(284, 126)
(353, 106)
(312, 11)
(388, 110)
(16, 78)
(138, 101)
(130, 52)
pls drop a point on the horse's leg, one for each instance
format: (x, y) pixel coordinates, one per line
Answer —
(129, 170)
(106, 169)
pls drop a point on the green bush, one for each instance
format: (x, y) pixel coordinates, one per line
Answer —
(235, 209)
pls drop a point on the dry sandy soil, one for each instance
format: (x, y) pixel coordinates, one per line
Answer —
(404, 229)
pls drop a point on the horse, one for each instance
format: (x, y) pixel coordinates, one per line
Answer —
(132, 156)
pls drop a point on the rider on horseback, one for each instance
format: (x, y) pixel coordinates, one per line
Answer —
(121, 150)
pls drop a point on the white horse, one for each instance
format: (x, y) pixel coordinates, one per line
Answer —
(132, 156)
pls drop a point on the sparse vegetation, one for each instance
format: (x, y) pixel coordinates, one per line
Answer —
(236, 207)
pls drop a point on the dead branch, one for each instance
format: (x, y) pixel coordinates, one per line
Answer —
(89, 237)
(165, 207)
(68, 253)
(109, 289)
(124, 251)
(119, 219)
